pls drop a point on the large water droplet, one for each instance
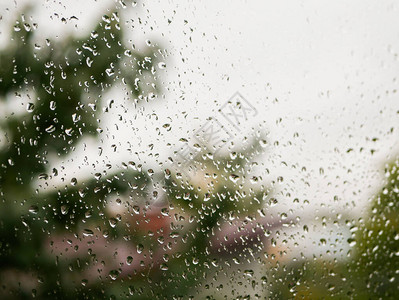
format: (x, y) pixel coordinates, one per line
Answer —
(33, 209)
(88, 232)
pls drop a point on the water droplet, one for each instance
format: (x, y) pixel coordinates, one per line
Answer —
(30, 107)
(64, 209)
(352, 242)
(110, 72)
(89, 62)
(27, 27)
(140, 248)
(249, 273)
(207, 197)
(43, 176)
(75, 118)
(24, 222)
(113, 222)
(94, 34)
(254, 179)
(106, 19)
(69, 131)
(88, 232)
(113, 274)
(136, 209)
(263, 143)
(33, 209)
(234, 178)
(52, 105)
(50, 129)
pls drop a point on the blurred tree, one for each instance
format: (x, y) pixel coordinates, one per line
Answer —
(64, 82)
(371, 269)
(104, 236)
(376, 260)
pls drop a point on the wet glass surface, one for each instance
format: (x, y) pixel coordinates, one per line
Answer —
(210, 150)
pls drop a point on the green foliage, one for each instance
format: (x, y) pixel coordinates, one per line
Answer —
(65, 243)
(378, 242)
(64, 81)
(371, 270)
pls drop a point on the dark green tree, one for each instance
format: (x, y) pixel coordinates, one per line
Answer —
(64, 81)
(376, 261)
(169, 233)
(371, 269)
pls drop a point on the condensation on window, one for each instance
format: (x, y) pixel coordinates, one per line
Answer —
(199, 150)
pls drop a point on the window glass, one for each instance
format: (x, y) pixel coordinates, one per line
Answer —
(199, 150)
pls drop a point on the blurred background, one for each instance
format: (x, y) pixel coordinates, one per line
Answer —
(170, 150)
